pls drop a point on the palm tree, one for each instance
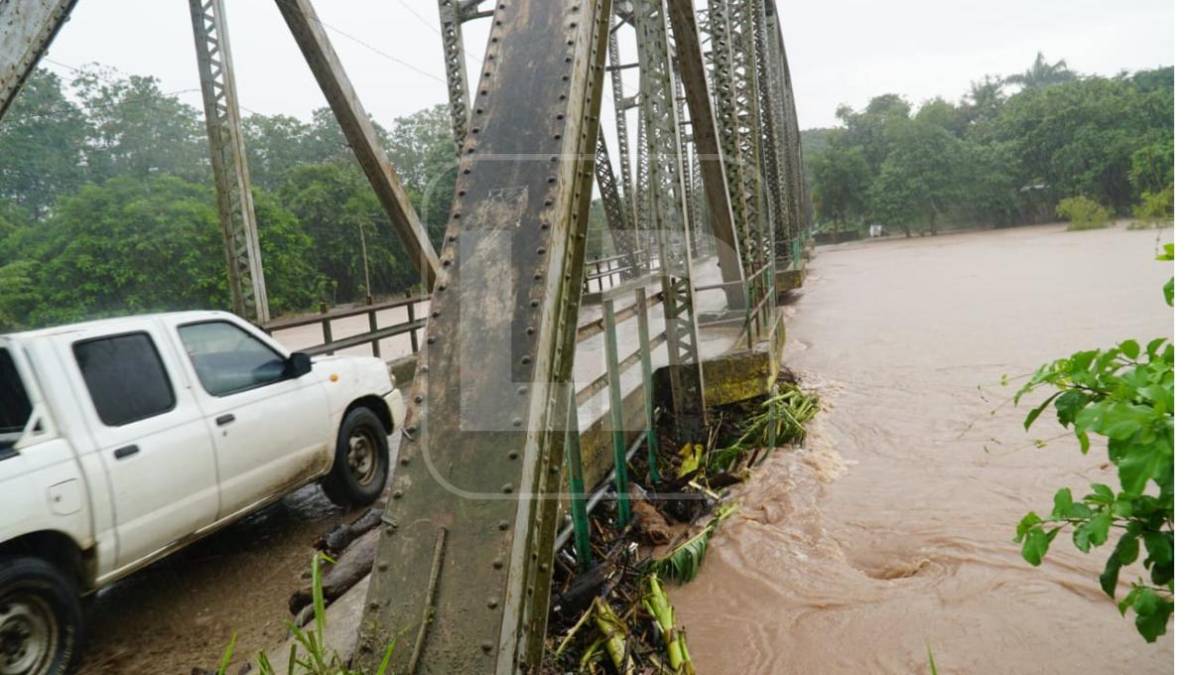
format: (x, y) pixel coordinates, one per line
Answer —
(1043, 74)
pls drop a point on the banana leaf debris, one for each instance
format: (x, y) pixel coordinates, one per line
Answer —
(614, 617)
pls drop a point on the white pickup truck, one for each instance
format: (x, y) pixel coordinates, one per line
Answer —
(123, 440)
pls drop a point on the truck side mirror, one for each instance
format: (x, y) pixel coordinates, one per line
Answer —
(298, 365)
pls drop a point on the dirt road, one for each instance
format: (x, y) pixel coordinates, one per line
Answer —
(893, 532)
(182, 612)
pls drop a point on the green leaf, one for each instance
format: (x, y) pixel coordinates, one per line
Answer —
(1139, 464)
(1101, 494)
(1036, 412)
(1153, 613)
(1110, 576)
(1128, 600)
(1094, 532)
(1152, 348)
(1063, 501)
(1027, 523)
(1130, 348)
(1168, 292)
(1037, 543)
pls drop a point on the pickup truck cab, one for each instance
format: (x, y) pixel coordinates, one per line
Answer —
(123, 440)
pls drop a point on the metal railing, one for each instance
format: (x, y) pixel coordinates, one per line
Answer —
(373, 337)
(580, 502)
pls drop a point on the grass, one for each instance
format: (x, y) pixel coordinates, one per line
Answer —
(316, 658)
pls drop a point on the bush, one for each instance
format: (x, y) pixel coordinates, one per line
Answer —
(1083, 213)
(1126, 395)
(1156, 208)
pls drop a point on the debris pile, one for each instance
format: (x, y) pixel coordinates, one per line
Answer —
(615, 616)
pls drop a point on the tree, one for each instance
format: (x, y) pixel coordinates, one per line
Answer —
(138, 130)
(920, 178)
(1079, 137)
(1043, 74)
(424, 153)
(275, 144)
(336, 206)
(941, 113)
(41, 143)
(983, 103)
(1152, 166)
(869, 130)
(840, 178)
(152, 244)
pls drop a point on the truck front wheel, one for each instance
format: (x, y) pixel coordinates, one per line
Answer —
(41, 623)
(362, 462)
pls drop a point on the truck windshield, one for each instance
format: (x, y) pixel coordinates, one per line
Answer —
(14, 402)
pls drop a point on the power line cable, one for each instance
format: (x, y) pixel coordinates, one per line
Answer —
(434, 29)
(289, 6)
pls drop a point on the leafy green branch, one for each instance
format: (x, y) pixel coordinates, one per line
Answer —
(1126, 395)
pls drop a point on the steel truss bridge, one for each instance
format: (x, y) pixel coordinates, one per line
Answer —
(493, 456)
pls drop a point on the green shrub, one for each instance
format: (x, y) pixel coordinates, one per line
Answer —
(1156, 208)
(1126, 395)
(1083, 213)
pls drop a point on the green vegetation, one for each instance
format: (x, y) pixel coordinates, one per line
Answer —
(1156, 208)
(683, 562)
(1007, 153)
(779, 420)
(1126, 395)
(1083, 213)
(107, 205)
(316, 658)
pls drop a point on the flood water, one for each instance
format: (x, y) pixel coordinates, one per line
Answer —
(892, 531)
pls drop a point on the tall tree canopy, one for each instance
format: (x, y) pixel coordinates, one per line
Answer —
(996, 158)
(107, 204)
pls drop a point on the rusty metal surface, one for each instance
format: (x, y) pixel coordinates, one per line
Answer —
(622, 230)
(27, 27)
(230, 166)
(621, 104)
(666, 209)
(455, 69)
(358, 129)
(710, 156)
(484, 463)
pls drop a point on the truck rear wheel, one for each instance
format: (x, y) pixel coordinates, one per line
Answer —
(41, 623)
(362, 462)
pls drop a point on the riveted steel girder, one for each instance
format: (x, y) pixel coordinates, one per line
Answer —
(794, 145)
(622, 229)
(27, 27)
(234, 195)
(666, 209)
(624, 146)
(358, 129)
(713, 162)
(455, 69)
(462, 577)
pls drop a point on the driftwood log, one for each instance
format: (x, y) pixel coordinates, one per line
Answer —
(338, 538)
(351, 566)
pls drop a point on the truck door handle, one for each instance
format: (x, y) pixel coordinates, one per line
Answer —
(126, 451)
(225, 420)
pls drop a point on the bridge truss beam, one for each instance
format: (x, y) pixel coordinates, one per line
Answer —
(463, 572)
(27, 27)
(358, 129)
(230, 166)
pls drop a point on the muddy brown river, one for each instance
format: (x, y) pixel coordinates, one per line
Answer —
(893, 531)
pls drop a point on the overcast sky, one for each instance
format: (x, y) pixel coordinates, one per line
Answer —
(841, 51)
